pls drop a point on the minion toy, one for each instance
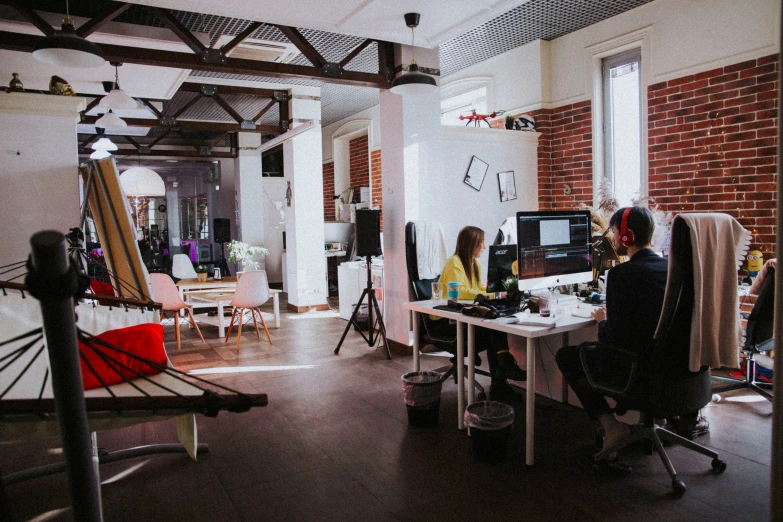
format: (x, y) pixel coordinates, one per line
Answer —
(755, 262)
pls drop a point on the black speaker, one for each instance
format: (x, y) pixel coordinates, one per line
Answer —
(222, 230)
(368, 232)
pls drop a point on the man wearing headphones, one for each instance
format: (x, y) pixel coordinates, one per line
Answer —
(634, 300)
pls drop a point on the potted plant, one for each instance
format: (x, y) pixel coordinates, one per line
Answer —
(510, 121)
(201, 273)
(242, 253)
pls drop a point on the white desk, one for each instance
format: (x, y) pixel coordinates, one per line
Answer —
(221, 299)
(566, 323)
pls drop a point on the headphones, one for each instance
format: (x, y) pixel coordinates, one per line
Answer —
(627, 237)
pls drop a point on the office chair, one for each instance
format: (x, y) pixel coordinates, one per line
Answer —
(658, 382)
(422, 290)
(758, 338)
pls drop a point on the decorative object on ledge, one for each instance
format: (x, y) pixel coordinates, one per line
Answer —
(477, 169)
(509, 121)
(60, 87)
(476, 119)
(524, 122)
(413, 82)
(67, 49)
(15, 84)
(507, 185)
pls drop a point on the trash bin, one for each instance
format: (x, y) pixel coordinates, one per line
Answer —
(422, 397)
(490, 425)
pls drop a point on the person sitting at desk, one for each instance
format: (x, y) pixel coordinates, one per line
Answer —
(634, 300)
(463, 267)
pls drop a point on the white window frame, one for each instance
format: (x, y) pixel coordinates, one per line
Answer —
(458, 87)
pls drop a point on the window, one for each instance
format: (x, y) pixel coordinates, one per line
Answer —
(623, 125)
(463, 96)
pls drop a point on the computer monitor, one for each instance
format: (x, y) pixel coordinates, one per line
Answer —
(553, 248)
(501, 257)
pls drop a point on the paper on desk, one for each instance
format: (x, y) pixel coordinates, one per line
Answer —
(527, 319)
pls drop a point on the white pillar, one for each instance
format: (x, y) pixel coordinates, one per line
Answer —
(305, 265)
(39, 172)
(249, 191)
(410, 126)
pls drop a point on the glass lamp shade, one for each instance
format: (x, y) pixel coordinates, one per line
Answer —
(67, 49)
(142, 182)
(413, 83)
(110, 121)
(100, 154)
(118, 99)
(104, 144)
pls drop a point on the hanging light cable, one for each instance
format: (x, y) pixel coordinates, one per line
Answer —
(66, 48)
(413, 82)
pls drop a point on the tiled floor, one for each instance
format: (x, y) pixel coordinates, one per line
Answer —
(334, 444)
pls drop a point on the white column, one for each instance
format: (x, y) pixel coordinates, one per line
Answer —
(38, 172)
(410, 126)
(249, 191)
(305, 266)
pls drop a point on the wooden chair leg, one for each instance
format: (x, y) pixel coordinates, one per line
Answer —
(193, 322)
(176, 328)
(231, 324)
(239, 329)
(255, 323)
(263, 323)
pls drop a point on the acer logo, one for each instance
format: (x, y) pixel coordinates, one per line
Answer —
(501, 252)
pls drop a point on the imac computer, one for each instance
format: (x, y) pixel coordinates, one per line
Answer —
(553, 248)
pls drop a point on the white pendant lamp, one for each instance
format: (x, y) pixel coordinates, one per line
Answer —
(67, 49)
(110, 121)
(117, 98)
(413, 82)
(142, 182)
(104, 144)
(100, 154)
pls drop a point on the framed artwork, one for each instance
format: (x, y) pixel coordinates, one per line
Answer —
(476, 172)
(508, 188)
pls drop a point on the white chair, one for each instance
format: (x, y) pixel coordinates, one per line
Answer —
(182, 268)
(252, 291)
(165, 291)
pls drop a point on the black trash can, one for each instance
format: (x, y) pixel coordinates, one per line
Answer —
(422, 397)
(490, 424)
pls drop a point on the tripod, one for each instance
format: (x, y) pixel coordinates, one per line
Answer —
(372, 304)
(223, 265)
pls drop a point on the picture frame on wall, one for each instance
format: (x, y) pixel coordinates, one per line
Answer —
(477, 170)
(507, 186)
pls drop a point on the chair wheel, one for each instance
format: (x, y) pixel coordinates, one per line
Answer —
(718, 466)
(678, 486)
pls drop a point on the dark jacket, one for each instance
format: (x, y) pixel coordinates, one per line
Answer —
(634, 299)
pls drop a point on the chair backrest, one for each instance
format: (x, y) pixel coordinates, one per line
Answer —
(165, 291)
(422, 288)
(182, 268)
(761, 321)
(252, 290)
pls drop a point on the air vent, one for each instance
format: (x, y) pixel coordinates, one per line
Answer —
(263, 50)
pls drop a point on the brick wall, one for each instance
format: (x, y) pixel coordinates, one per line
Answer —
(713, 144)
(328, 172)
(377, 183)
(360, 164)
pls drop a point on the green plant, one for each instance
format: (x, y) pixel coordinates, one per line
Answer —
(242, 253)
(511, 284)
(510, 119)
(202, 269)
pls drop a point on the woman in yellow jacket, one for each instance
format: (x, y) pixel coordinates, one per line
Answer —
(463, 267)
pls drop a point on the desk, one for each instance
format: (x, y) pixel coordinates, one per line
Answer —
(566, 323)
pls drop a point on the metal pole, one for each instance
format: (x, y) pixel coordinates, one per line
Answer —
(47, 278)
(776, 468)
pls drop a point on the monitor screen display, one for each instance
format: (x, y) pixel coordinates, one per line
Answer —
(553, 248)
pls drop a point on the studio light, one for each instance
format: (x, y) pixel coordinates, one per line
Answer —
(67, 49)
(413, 82)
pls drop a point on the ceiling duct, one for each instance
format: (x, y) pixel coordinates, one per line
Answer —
(264, 50)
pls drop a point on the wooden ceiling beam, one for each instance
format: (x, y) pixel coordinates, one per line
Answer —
(228, 89)
(166, 153)
(188, 105)
(301, 43)
(186, 125)
(238, 39)
(32, 17)
(353, 54)
(263, 111)
(182, 32)
(228, 108)
(109, 11)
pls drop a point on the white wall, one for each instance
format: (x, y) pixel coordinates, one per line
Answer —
(274, 223)
(38, 171)
(688, 36)
(371, 116)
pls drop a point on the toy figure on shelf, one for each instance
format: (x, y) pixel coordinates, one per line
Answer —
(472, 117)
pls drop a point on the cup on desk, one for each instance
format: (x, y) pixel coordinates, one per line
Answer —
(452, 288)
(437, 292)
(544, 304)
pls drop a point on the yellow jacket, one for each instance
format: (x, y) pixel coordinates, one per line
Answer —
(453, 271)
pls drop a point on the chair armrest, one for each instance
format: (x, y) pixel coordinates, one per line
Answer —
(588, 350)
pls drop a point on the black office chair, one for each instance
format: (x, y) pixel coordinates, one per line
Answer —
(758, 338)
(422, 290)
(658, 382)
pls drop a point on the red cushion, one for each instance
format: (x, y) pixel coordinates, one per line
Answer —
(101, 288)
(144, 340)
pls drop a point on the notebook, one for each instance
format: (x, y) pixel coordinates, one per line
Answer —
(527, 319)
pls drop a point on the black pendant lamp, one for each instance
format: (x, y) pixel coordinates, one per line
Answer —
(67, 49)
(413, 82)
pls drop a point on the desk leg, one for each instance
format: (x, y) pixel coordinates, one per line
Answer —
(221, 320)
(276, 303)
(415, 341)
(471, 364)
(564, 384)
(530, 402)
(460, 376)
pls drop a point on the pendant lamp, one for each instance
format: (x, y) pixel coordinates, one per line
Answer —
(142, 182)
(104, 144)
(110, 121)
(67, 49)
(117, 98)
(100, 154)
(413, 82)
